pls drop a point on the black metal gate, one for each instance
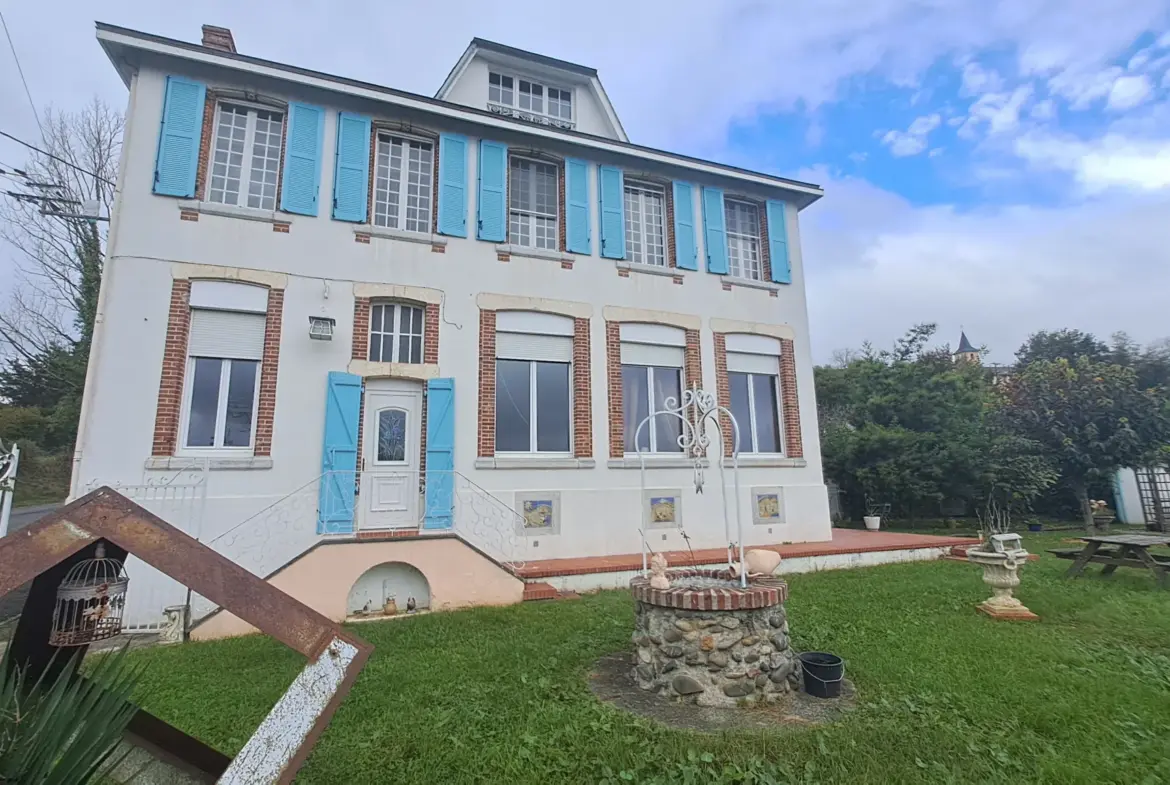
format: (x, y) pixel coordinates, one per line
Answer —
(1154, 491)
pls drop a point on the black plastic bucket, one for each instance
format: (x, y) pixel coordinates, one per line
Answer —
(823, 673)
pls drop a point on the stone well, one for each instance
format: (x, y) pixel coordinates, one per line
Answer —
(708, 641)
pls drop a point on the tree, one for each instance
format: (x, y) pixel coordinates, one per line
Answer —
(47, 327)
(1061, 344)
(1091, 418)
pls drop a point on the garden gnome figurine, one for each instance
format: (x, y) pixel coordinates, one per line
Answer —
(411, 605)
(658, 579)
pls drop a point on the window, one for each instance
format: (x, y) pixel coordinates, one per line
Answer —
(245, 159)
(391, 436)
(396, 333)
(645, 224)
(743, 239)
(402, 183)
(753, 367)
(652, 358)
(532, 200)
(533, 376)
(525, 95)
(225, 346)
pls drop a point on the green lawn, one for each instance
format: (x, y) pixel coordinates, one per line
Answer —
(499, 695)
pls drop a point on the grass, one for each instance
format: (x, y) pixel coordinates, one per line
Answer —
(498, 695)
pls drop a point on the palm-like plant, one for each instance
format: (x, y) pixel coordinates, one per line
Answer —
(64, 729)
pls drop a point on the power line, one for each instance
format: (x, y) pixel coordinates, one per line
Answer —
(59, 159)
(19, 70)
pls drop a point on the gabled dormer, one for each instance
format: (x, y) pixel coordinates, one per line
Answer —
(532, 87)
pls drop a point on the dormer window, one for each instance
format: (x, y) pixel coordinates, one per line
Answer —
(529, 100)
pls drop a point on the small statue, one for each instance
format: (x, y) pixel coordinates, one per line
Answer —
(411, 605)
(658, 579)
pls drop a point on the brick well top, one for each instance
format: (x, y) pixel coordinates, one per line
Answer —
(760, 592)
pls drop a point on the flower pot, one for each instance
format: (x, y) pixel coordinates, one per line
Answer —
(1103, 521)
(1000, 572)
(873, 522)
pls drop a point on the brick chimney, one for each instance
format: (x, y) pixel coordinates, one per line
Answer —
(218, 38)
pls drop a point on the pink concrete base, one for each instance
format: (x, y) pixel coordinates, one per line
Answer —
(458, 577)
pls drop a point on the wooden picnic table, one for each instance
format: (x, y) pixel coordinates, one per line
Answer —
(1119, 550)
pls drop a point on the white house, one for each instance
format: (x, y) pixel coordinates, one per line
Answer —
(334, 311)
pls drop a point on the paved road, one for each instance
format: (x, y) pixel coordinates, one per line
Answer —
(24, 516)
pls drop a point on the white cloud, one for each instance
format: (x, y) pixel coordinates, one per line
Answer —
(1002, 273)
(1043, 110)
(999, 112)
(1112, 162)
(977, 80)
(914, 139)
(1081, 89)
(1128, 92)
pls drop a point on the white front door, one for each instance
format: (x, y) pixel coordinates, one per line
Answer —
(390, 447)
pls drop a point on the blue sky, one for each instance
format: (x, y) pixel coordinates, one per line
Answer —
(1001, 166)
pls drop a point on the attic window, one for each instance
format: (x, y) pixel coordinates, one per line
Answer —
(529, 100)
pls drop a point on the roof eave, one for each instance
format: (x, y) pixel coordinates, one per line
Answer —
(115, 40)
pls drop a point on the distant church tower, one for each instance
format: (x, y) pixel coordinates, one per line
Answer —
(966, 353)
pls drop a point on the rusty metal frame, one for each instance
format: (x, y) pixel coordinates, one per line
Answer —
(105, 514)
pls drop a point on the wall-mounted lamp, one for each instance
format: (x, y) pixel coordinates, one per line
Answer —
(321, 328)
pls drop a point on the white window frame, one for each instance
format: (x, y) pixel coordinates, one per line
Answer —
(530, 214)
(640, 190)
(532, 412)
(737, 262)
(751, 390)
(545, 86)
(220, 409)
(403, 182)
(653, 439)
(396, 333)
(249, 142)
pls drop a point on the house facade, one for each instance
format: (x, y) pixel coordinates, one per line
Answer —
(345, 311)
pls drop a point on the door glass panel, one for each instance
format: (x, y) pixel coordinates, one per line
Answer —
(513, 406)
(237, 427)
(741, 410)
(668, 428)
(767, 411)
(391, 435)
(204, 402)
(552, 407)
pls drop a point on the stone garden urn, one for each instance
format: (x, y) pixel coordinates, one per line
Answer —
(1001, 558)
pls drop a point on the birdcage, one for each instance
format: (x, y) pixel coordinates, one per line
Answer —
(90, 601)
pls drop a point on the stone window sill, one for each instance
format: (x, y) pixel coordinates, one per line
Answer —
(369, 369)
(534, 462)
(649, 269)
(747, 283)
(222, 463)
(654, 462)
(232, 211)
(535, 253)
(773, 461)
(424, 238)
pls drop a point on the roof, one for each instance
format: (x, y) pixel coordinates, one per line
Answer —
(965, 346)
(552, 62)
(124, 46)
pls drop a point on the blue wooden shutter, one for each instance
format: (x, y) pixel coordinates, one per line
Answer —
(493, 185)
(440, 474)
(778, 242)
(611, 187)
(686, 249)
(302, 159)
(453, 185)
(178, 140)
(577, 236)
(343, 403)
(714, 234)
(351, 174)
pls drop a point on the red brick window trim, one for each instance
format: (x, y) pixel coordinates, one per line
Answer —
(172, 388)
(692, 376)
(580, 384)
(381, 129)
(788, 399)
(216, 97)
